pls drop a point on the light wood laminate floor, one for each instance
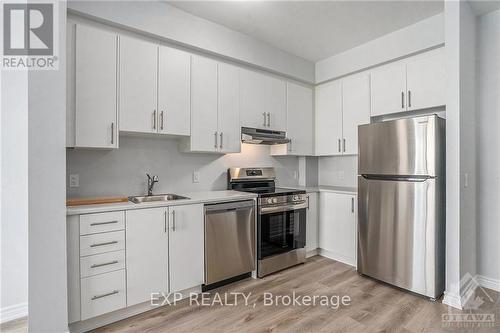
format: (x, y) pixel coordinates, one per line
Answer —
(374, 307)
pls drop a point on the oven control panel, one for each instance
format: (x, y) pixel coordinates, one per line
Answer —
(283, 200)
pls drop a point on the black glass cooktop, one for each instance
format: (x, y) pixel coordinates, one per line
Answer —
(268, 192)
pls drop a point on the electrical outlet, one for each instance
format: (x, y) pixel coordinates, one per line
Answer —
(196, 176)
(74, 180)
(296, 175)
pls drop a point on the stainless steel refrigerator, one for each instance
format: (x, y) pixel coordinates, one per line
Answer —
(401, 193)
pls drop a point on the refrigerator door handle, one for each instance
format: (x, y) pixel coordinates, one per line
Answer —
(397, 178)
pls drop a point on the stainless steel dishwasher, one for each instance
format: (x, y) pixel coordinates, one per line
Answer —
(229, 240)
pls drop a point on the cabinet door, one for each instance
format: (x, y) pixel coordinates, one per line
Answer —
(337, 227)
(138, 88)
(426, 81)
(300, 119)
(312, 222)
(263, 101)
(388, 89)
(174, 91)
(355, 110)
(329, 119)
(96, 88)
(146, 253)
(204, 135)
(229, 109)
(186, 247)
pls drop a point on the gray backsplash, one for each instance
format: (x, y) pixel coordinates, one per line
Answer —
(122, 171)
(338, 171)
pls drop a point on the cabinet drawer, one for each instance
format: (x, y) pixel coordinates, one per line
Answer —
(102, 222)
(102, 263)
(102, 294)
(102, 243)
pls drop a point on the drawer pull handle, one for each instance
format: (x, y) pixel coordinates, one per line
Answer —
(104, 264)
(104, 295)
(102, 223)
(102, 244)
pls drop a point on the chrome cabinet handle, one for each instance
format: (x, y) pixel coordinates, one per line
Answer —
(221, 138)
(402, 99)
(343, 145)
(215, 136)
(264, 114)
(173, 220)
(308, 207)
(269, 119)
(165, 224)
(352, 205)
(161, 123)
(154, 119)
(112, 133)
(104, 295)
(102, 223)
(409, 98)
(102, 244)
(104, 264)
(339, 145)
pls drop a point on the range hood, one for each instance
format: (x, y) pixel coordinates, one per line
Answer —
(263, 137)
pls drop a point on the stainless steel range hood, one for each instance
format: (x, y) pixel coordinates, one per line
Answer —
(263, 137)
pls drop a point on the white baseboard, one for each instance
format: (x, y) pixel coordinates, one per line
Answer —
(13, 312)
(453, 300)
(486, 282)
(337, 257)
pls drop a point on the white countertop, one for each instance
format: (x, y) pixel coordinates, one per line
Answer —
(194, 198)
(322, 188)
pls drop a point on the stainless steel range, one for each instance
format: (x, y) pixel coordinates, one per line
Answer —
(281, 219)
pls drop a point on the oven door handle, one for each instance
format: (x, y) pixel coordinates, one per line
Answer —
(283, 208)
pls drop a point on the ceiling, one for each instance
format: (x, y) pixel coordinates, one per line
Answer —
(313, 30)
(483, 7)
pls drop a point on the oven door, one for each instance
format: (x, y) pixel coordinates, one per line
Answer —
(281, 229)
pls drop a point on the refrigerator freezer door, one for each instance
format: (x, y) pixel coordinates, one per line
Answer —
(413, 146)
(401, 233)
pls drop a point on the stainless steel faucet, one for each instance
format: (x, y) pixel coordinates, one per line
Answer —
(151, 182)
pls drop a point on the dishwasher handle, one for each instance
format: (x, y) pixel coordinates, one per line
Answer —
(229, 206)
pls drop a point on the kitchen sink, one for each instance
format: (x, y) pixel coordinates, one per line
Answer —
(156, 197)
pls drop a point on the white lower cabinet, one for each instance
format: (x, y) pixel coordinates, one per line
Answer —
(164, 250)
(155, 250)
(147, 253)
(186, 247)
(337, 226)
(312, 222)
(103, 293)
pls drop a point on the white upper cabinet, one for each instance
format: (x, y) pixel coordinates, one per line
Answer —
(426, 81)
(388, 89)
(146, 253)
(411, 84)
(138, 86)
(186, 249)
(174, 92)
(355, 110)
(229, 109)
(96, 109)
(300, 127)
(204, 135)
(215, 126)
(263, 101)
(329, 119)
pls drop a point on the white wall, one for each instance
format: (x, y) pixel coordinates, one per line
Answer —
(423, 35)
(14, 199)
(460, 151)
(122, 171)
(488, 124)
(47, 194)
(160, 20)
